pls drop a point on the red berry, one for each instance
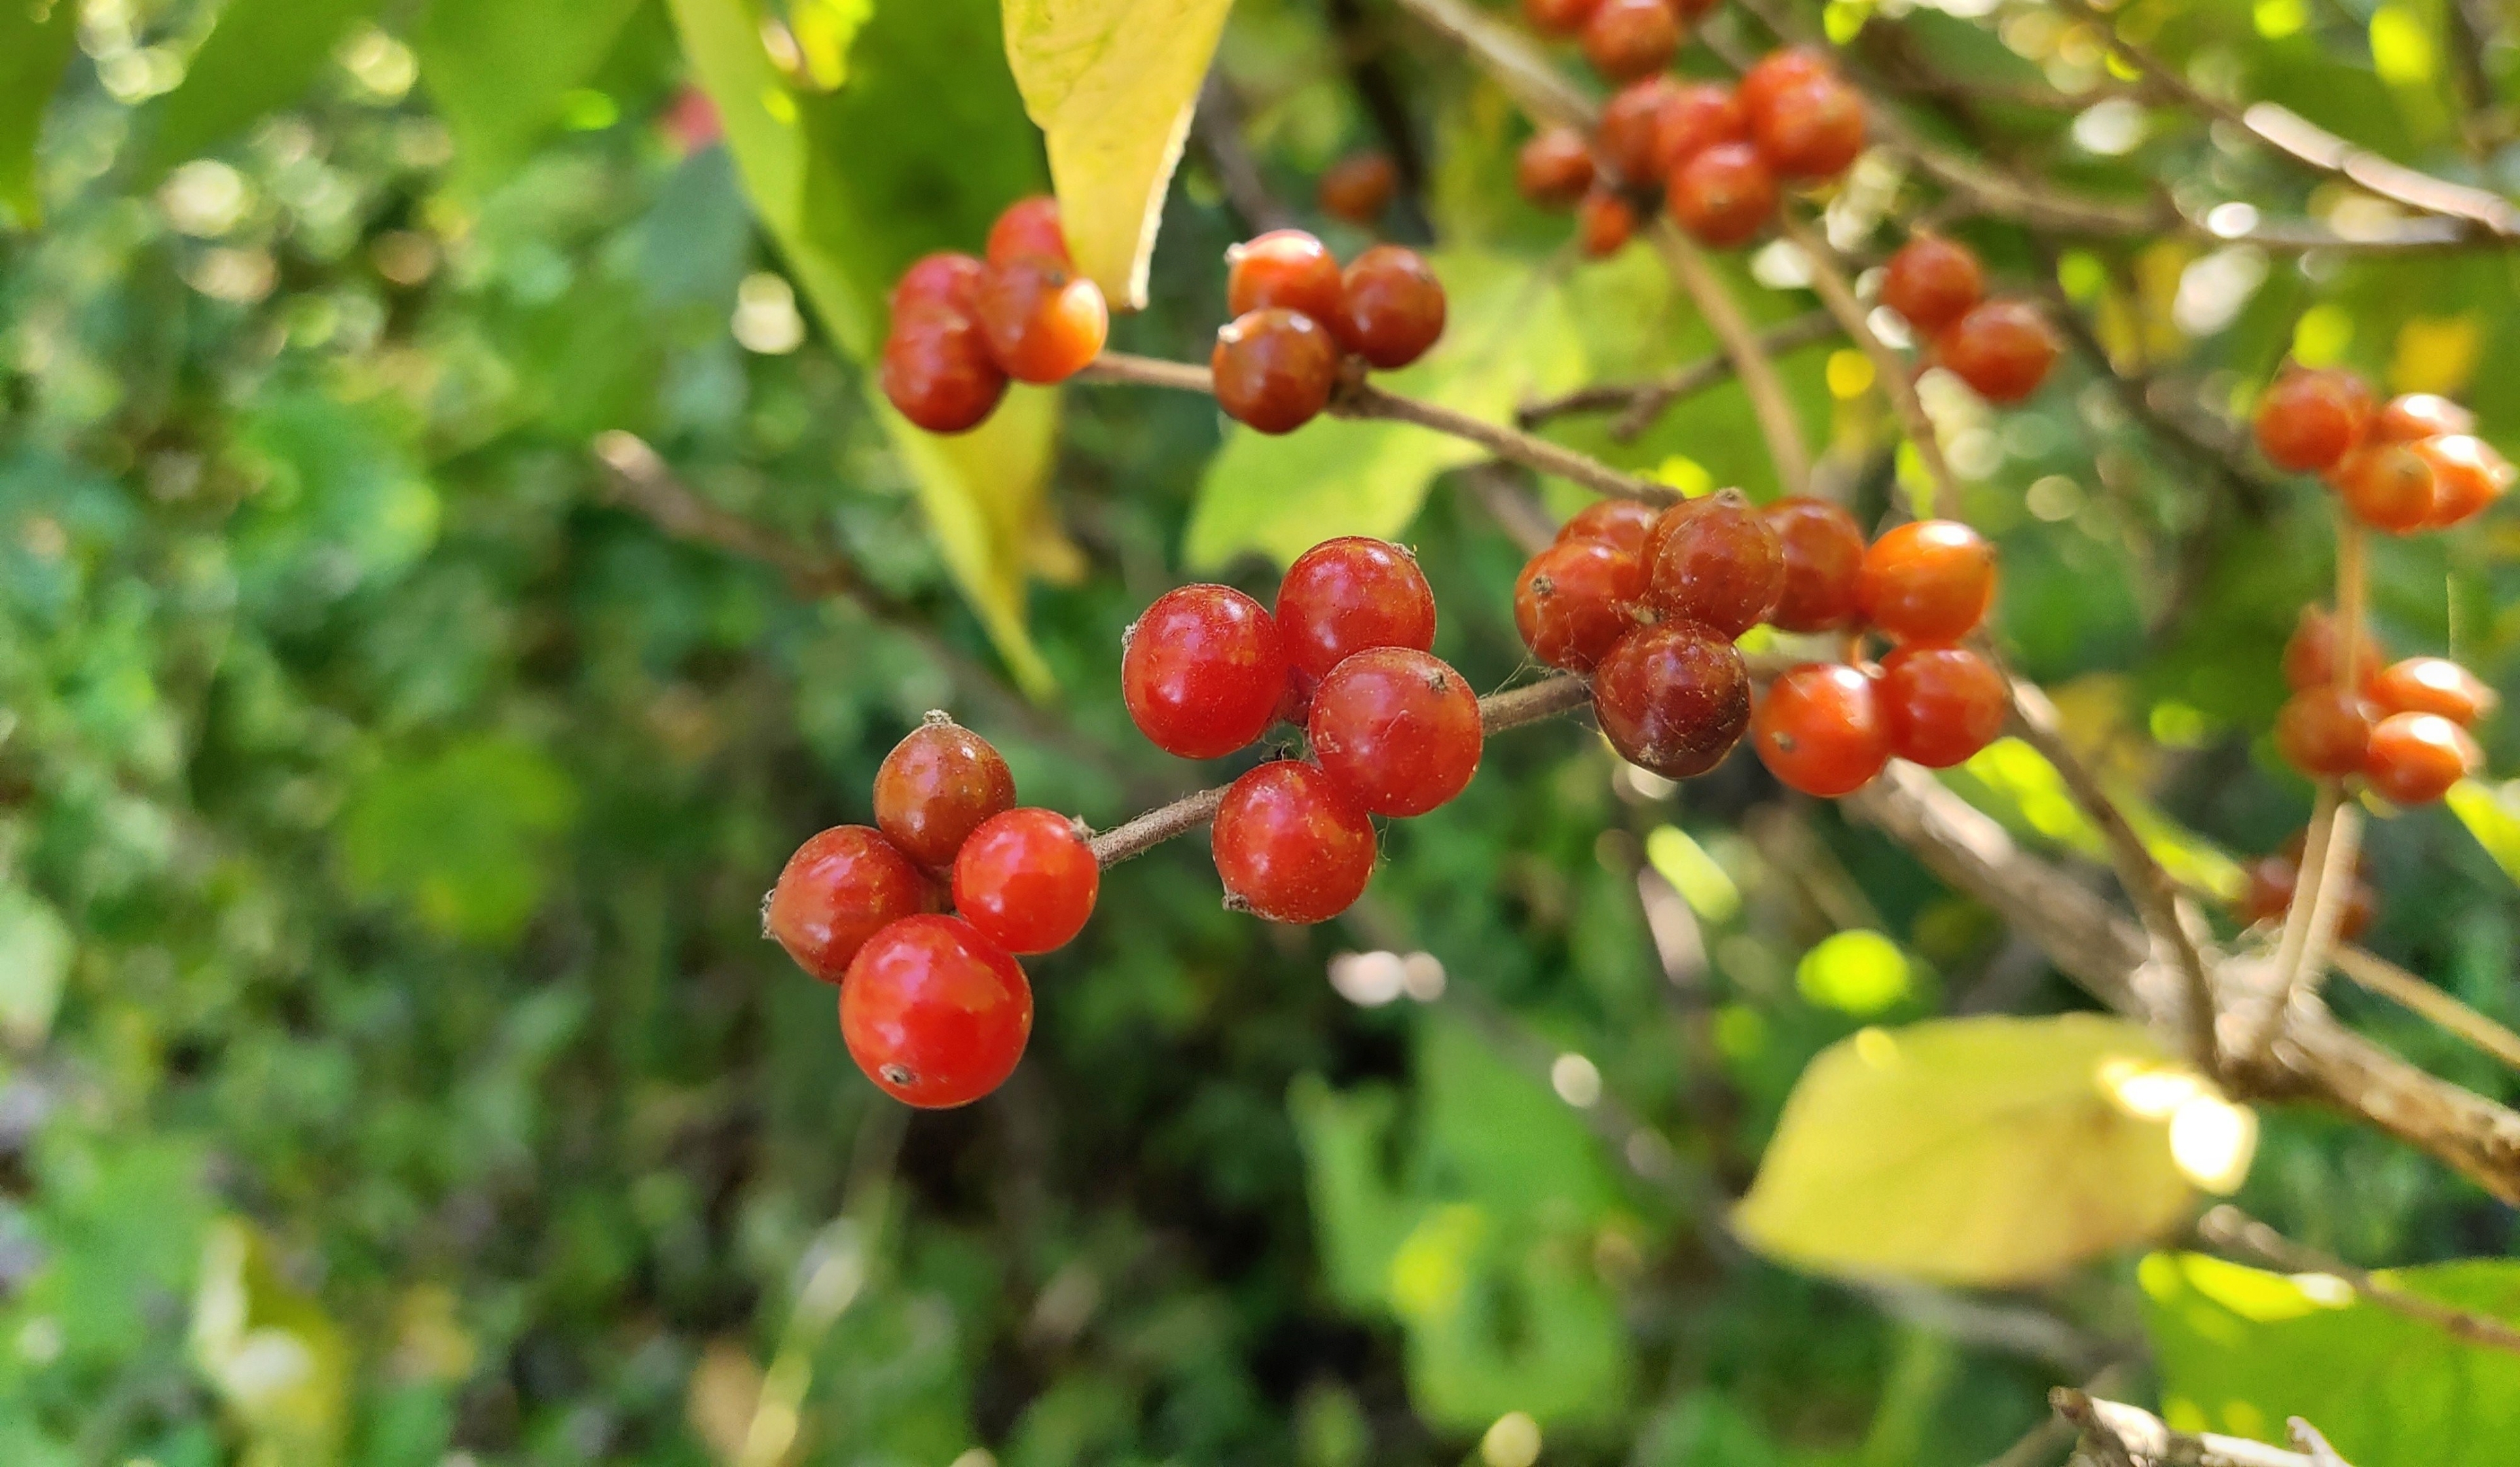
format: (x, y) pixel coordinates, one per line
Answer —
(2324, 733)
(1026, 880)
(2310, 653)
(1274, 369)
(1359, 187)
(2467, 475)
(2410, 416)
(1559, 16)
(1291, 846)
(1819, 730)
(1029, 227)
(1724, 195)
(2415, 758)
(1043, 324)
(937, 787)
(1397, 729)
(946, 277)
(1625, 39)
(1203, 671)
(1823, 551)
(1698, 116)
(1626, 134)
(1575, 600)
(937, 369)
(2385, 485)
(934, 1013)
(1941, 704)
(1392, 307)
(2433, 685)
(1716, 563)
(2309, 419)
(839, 889)
(1673, 697)
(1932, 282)
(2269, 896)
(1284, 267)
(1604, 221)
(1623, 523)
(2001, 348)
(1778, 72)
(1346, 595)
(1929, 581)
(1811, 130)
(1554, 168)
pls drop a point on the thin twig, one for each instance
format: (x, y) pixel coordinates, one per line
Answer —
(2229, 1228)
(1537, 87)
(1217, 126)
(1639, 404)
(1769, 401)
(2395, 984)
(2126, 1436)
(1837, 294)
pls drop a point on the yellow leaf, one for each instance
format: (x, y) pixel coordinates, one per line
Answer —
(1987, 1152)
(275, 1356)
(2435, 354)
(1111, 84)
(981, 490)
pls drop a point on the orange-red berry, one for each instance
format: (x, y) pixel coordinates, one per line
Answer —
(935, 788)
(2310, 654)
(937, 369)
(1927, 581)
(1623, 523)
(1604, 222)
(1397, 728)
(1941, 705)
(2324, 733)
(1696, 116)
(1028, 880)
(1554, 168)
(2310, 418)
(2409, 416)
(1724, 195)
(1625, 39)
(1932, 282)
(934, 1013)
(1203, 671)
(943, 277)
(1811, 130)
(1575, 600)
(2468, 475)
(1392, 307)
(1716, 562)
(2385, 485)
(1673, 697)
(1029, 227)
(1559, 16)
(1274, 369)
(2433, 685)
(1346, 595)
(1819, 730)
(1359, 187)
(2413, 758)
(1823, 551)
(1291, 846)
(2001, 348)
(1043, 323)
(840, 888)
(1284, 267)
(1778, 72)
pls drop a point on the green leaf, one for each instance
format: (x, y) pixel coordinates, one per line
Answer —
(1990, 1151)
(2492, 813)
(259, 57)
(35, 40)
(1857, 972)
(1507, 337)
(277, 1360)
(2014, 783)
(35, 949)
(502, 73)
(461, 838)
(2240, 1351)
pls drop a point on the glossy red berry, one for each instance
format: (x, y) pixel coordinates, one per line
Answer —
(2467, 475)
(937, 369)
(1291, 846)
(1716, 563)
(1673, 697)
(1346, 595)
(1819, 730)
(1623, 523)
(1724, 196)
(1604, 222)
(1778, 72)
(2433, 685)
(1397, 729)
(1359, 187)
(1274, 369)
(2310, 418)
(1812, 129)
(1929, 581)
(1203, 671)
(934, 1013)
(1625, 39)
(935, 788)
(946, 277)
(1697, 116)
(2324, 733)
(1626, 133)
(839, 889)
(1932, 282)
(1043, 324)
(1028, 229)
(1284, 267)
(1575, 600)
(2385, 485)
(1026, 880)
(1941, 705)
(1559, 16)
(2001, 348)
(1392, 307)
(2409, 416)
(1824, 552)
(1554, 168)
(2310, 653)
(2413, 758)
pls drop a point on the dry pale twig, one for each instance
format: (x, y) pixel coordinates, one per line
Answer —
(2227, 1227)
(2126, 1436)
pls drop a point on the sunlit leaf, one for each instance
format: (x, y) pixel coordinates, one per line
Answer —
(502, 71)
(35, 42)
(2492, 813)
(259, 57)
(278, 1362)
(35, 948)
(1855, 972)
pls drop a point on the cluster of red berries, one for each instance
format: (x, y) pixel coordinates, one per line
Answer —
(1718, 154)
(1297, 317)
(2411, 464)
(2403, 727)
(2003, 348)
(2272, 879)
(1394, 730)
(934, 1006)
(962, 326)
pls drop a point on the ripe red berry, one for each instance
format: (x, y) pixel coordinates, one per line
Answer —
(1554, 168)
(2001, 348)
(2410, 416)
(1812, 129)
(1284, 267)
(935, 788)
(1819, 730)
(1274, 369)
(2310, 653)
(1604, 222)
(1029, 228)
(1941, 705)
(1359, 187)
(1392, 307)
(1932, 282)
(1778, 72)
(1724, 195)
(1697, 116)
(839, 889)
(1346, 595)
(2413, 758)
(1042, 323)
(2433, 685)
(1717, 564)
(1026, 880)
(934, 1013)
(1575, 600)
(1291, 846)
(1559, 16)
(945, 277)
(1673, 697)
(2385, 485)
(1626, 133)
(1623, 523)
(2324, 733)
(937, 369)
(1823, 551)
(2309, 419)
(1625, 39)
(1203, 671)
(1397, 729)
(2467, 475)
(1929, 581)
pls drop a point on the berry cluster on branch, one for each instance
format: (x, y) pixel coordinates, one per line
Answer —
(964, 326)
(1299, 321)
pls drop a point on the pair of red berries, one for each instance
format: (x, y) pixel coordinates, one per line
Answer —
(2411, 464)
(962, 326)
(1622, 39)
(1296, 314)
(2272, 879)
(2404, 727)
(934, 1008)
(1827, 728)
(1394, 730)
(2001, 348)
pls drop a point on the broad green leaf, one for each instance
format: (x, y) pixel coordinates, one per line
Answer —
(502, 73)
(2492, 813)
(35, 949)
(2240, 1351)
(1507, 337)
(1990, 1151)
(2014, 782)
(259, 56)
(36, 41)
(461, 838)
(276, 1359)
(1112, 84)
